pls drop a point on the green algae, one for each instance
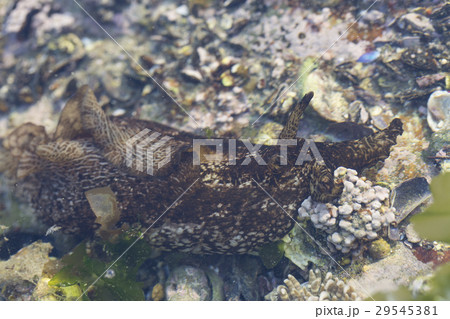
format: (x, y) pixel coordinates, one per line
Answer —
(433, 223)
(271, 254)
(119, 283)
(379, 249)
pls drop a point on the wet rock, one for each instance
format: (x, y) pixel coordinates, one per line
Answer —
(438, 115)
(216, 285)
(240, 278)
(408, 196)
(416, 23)
(302, 250)
(328, 100)
(374, 17)
(266, 135)
(388, 273)
(412, 235)
(20, 273)
(187, 283)
(17, 18)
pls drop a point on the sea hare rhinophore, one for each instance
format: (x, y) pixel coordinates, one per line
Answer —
(223, 206)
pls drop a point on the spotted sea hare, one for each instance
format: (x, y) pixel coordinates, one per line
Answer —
(232, 204)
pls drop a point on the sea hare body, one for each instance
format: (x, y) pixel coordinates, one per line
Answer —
(219, 206)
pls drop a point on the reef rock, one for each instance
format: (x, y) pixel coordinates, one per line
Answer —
(188, 284)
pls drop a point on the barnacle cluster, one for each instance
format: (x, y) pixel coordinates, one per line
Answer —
(360, 214)
(316, 288)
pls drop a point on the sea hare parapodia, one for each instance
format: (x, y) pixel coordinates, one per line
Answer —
(225, 211)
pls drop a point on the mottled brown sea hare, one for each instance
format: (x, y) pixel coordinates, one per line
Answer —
(225, 209)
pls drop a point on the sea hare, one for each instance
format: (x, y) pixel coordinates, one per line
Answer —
(202, 206)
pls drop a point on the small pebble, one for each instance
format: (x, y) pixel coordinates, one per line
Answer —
(412, 235)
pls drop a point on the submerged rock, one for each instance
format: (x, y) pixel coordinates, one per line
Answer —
(387, 274)
(416, 23)
(412, 236)
(187, 283)
(302, 250)
(329, 101)
(20, 273)
(408, 196)
(438, 116)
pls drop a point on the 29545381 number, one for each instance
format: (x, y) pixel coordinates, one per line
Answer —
(406, 310)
